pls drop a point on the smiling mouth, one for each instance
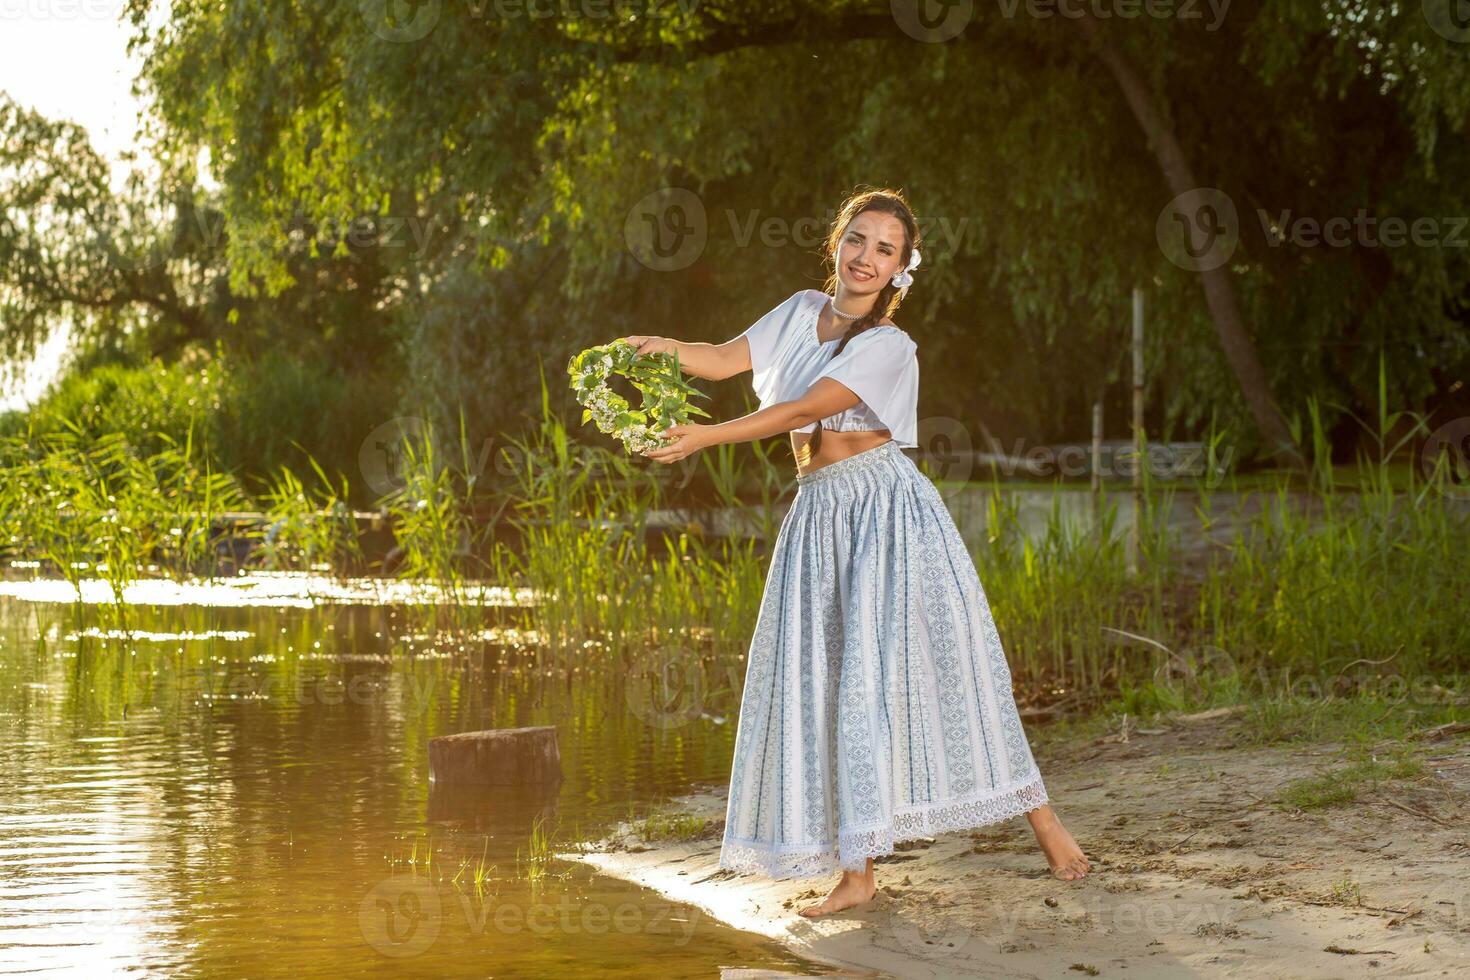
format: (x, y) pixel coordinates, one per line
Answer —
(860, 274)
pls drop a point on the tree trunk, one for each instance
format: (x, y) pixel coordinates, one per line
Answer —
(1235, 339)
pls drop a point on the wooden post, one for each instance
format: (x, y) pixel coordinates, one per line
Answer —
(1097, 434)
(496, 757)
(1134, 532)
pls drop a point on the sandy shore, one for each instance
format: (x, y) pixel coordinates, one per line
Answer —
(1199, 869)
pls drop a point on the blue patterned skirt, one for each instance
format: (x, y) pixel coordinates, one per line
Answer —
(877, 705)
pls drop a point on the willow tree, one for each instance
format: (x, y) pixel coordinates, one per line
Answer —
(1043, 150)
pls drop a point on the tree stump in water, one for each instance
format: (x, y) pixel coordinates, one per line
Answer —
(496, 757)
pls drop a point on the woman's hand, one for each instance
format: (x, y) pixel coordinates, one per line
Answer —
(680, 441)
(652, 345)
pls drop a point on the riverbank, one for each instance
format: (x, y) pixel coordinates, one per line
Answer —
(1213, 854)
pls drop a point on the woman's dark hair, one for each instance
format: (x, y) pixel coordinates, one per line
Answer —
(885, 202)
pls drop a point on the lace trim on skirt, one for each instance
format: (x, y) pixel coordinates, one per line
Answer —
(854, 847)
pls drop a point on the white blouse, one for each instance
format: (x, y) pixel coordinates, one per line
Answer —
(879, 365)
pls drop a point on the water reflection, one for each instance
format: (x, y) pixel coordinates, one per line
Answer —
(273, 590)
(242, 788)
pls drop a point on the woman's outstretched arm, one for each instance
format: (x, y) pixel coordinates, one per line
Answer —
(713, 362)
(825, 397)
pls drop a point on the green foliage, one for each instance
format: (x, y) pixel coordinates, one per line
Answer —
(308, 528)
(99, 508)
(250, 417)
(432, 513)
(436, 209)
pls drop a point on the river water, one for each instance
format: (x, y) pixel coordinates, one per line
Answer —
(240, 788)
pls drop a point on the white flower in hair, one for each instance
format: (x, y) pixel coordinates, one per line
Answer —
(904, 279)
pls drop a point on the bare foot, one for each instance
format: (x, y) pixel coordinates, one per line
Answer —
(1066, 859)
(853, 889)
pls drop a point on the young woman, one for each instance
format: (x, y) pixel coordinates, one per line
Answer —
(877, 705)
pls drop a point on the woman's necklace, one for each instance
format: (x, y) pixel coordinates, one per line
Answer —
(843, 316)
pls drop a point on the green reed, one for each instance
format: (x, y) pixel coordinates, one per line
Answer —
(433, 514)
(100, 508)
(480, 874)
(1052, 591)
(1363, 573)
(308, 528)
(1352, 576)
(1348, 570)
(1352, 584)
(582, 517)
(535, 867)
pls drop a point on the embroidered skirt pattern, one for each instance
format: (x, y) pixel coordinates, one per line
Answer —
(877, 705)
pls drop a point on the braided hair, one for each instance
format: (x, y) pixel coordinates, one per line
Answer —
(885, 202)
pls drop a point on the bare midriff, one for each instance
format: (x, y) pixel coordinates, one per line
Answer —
(837, 445)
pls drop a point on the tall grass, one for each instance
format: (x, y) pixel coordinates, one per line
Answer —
(100, 508)
(581, 515)
(1351, 583)
(308, 528)
(1367, 572)
(1349, 571)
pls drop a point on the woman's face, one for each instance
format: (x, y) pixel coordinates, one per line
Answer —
(870, 253)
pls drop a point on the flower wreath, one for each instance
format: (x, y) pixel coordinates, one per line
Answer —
(665, 393)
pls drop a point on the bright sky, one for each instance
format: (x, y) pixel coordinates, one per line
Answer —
(68, 59)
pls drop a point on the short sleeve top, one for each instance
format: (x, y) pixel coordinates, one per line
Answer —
(880, 365)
